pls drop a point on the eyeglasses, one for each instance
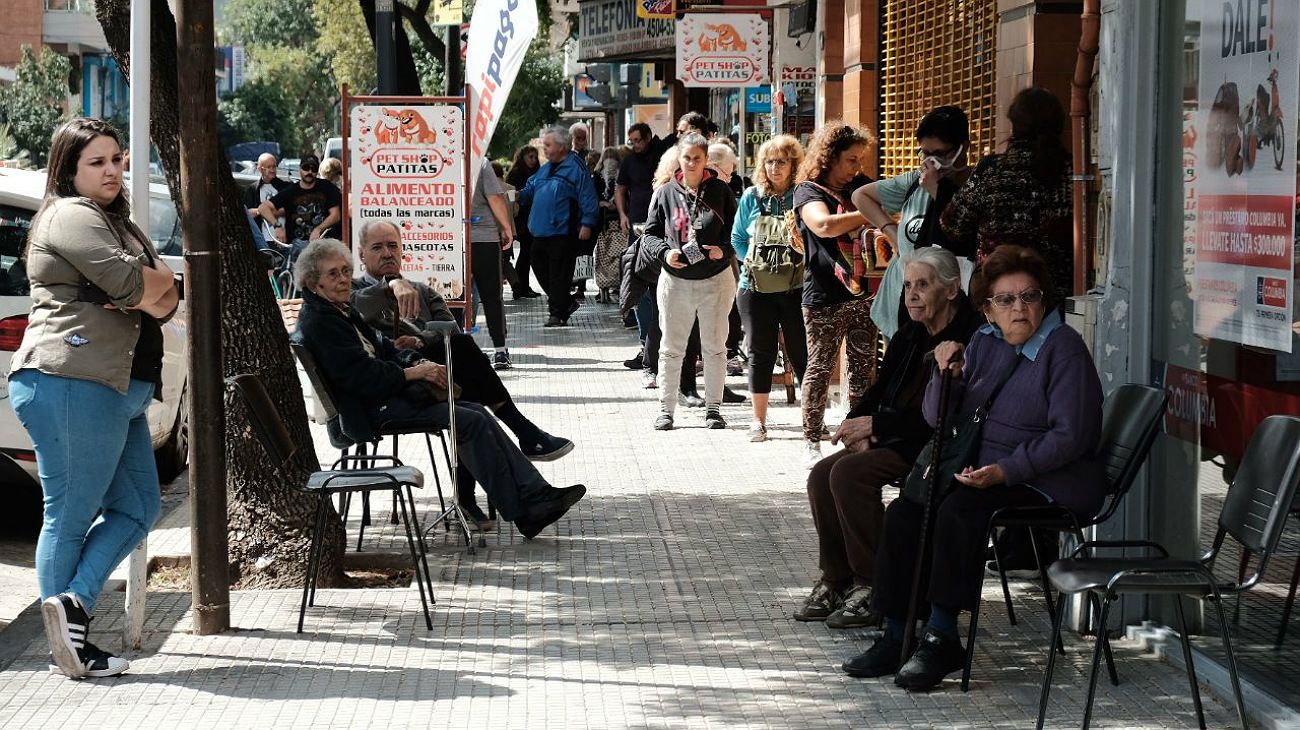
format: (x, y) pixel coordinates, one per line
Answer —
(1005, 301)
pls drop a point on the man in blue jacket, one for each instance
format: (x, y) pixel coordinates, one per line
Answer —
(562, 220)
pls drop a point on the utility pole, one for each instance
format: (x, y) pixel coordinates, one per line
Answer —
(385, 51)
(210, 561)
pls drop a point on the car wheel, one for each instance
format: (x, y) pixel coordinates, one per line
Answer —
(174, 454)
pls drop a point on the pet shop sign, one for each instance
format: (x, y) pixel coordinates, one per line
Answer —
(722, 50)
(1244, 174)
(407, 168)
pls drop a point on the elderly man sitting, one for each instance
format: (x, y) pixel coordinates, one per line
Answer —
(376, 383)
(403, 309)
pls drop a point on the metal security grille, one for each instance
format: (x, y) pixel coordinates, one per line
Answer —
(936, 52)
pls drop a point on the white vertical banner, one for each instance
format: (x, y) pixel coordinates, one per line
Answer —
(500, 32)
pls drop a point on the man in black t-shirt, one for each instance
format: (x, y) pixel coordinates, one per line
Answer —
(264, 189)
(312, 209)
(635, 177)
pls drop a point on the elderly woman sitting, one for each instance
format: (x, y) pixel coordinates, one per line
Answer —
(882, 436)
(375, 384)
(1040, 431)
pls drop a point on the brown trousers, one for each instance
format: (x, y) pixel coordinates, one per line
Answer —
(844, 492)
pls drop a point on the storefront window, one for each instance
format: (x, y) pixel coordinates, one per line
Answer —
(1225, 318)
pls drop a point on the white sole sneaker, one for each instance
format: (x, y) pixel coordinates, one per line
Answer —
(59, 633)
(757, 434)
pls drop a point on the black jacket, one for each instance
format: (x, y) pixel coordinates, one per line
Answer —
(894, 399)
(251, 197)
(665, 226)
(367, 389)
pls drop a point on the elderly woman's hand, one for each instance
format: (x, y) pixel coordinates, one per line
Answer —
(981, 478)
(408, 342)
(427, 370)
(854, 432)
(949, 355)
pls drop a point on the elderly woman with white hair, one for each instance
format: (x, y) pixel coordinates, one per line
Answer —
(882, 437)
(375, 384)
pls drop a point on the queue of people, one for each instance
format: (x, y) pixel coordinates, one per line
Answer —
(706, 260)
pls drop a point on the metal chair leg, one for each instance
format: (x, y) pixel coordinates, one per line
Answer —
(1096, 659)
(318, 541)
(1232, 658)
(970, 644)
(1187, 658)
(1051, 665)
(1047, 587)
(311, 558)
(1002, 575)
(398, 498)
(1110, 658)
(424, 547)
(1290, 603)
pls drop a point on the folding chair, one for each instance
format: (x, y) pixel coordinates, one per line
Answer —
(1129, 423)
(1253, 515)
(396, 477)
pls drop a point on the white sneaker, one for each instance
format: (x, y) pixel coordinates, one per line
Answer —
(757, 432)
(812, 453)
(649, 380)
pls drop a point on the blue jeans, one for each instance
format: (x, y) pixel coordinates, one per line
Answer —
(647, 315)
(95, 457)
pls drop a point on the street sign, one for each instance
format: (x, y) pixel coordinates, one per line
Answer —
(722, 50)
(758, 100)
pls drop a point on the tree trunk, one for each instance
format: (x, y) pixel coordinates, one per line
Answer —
(269, 520)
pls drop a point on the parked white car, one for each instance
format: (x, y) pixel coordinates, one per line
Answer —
(21, 192)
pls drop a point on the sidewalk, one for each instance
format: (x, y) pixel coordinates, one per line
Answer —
(662, 601)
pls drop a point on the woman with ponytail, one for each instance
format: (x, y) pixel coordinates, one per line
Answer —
(1021, 196)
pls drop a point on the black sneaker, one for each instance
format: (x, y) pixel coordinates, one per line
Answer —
(629, 321)
(935, 657)
(545, 513)
(855, 612)
(819, 604)
(527, 294)
(95, 662)
(714, 420)
(577, 302)
(636, 363)
(690, 400)
(501, 360)
(549, 448)
(664, 422)
(479, 521)
(553, 322)
(66, 624)
(728, 396)
(881, 660)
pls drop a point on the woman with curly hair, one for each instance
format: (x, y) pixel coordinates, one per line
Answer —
(524, 165)
(835, 302)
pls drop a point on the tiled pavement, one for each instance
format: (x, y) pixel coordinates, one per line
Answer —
(662, 601)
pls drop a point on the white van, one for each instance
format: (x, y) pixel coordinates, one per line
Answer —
(21, 192)
(334, 148)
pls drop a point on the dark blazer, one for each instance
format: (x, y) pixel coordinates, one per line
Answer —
(894, 400)
(367, 389)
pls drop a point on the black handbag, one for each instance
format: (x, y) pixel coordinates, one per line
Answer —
(960, 449)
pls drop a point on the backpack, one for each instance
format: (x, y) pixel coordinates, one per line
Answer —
(774, 265)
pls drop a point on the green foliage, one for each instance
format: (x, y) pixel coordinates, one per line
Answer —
(345, 44)
(289, 98)
(32, 106)
(266, 23)
(532, 100)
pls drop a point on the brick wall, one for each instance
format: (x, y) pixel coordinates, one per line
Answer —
(1038, 41)
(21, 26)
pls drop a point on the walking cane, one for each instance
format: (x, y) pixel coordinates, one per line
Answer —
(927, 517)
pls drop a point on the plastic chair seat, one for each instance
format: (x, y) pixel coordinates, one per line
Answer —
(1048, 517)
(365, 480)
(1094, 574)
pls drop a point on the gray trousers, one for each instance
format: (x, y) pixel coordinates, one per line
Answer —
(681, 301)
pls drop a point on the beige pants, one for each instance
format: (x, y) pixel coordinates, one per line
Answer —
(681, 301)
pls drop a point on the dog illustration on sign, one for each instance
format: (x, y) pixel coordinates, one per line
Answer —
(721, 37)
(403, 125)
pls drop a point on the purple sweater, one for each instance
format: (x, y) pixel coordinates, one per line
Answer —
(1045, 425)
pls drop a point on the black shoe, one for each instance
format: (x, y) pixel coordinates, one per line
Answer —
(95, 662)
(728, 396)
(547, 448)
(544, 513)
(577, 302)
(479, 522)
(66, 625)
(553, 321)
(881, 660)
(714, 420)
(527, 294)
(501, 360)
(664, 422)
(819, 604)
(690, 400)
(636, 363)
(629, 321)
(935, 657)
(855, 612)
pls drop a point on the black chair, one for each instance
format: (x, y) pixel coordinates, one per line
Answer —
(1129, 423)
(341, 480)
(1290, 595)
(1253, 514)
